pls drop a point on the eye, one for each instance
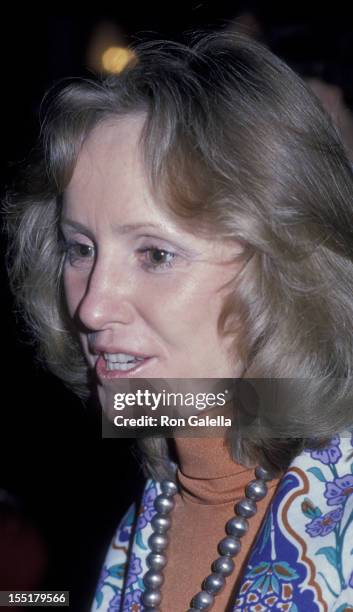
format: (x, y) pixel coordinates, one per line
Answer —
(78, 254)
(154, 258)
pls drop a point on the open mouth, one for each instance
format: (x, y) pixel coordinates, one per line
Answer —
(119, 364)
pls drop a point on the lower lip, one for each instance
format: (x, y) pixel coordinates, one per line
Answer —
(104, 373)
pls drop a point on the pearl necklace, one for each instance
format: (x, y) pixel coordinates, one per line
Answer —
(228, 547)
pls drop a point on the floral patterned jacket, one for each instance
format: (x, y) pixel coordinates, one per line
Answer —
(302, 558)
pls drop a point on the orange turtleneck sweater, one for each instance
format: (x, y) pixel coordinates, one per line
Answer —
(210, 484)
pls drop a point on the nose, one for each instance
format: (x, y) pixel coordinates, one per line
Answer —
(107, 298)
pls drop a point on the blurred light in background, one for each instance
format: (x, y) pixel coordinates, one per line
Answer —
(115, 59)
(107, 50)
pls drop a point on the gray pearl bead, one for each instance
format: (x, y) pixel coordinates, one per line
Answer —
(151, 598)
(223, 565)
(203, 600)
(163, 504)
(169, 487)
(148, 609)
(262, 473)
(237, 526)
(214, 583)
(246, 507)
(161, 523)
(229, 546)
(157, 542)
(156, 561)
(256, 489)
(153, 579)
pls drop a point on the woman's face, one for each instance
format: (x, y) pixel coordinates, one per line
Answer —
(145, 293)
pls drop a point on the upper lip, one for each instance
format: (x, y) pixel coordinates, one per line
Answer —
(113, 350)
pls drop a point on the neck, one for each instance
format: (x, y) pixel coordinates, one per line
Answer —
(207, 457)
(206, 473)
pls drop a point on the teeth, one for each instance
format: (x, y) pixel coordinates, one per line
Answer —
(123, 358)
(121, 366)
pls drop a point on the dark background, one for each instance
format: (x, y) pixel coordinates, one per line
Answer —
(72, 485)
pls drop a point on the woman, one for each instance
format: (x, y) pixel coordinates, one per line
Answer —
(192, 217)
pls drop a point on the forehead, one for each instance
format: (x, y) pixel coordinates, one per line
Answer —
(109, 173)
(109, 187)
(111, 149)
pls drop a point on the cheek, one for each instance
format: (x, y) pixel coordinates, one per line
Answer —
(186, 309)
(74, 290)
(196, 315)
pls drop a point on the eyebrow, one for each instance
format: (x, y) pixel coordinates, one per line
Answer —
(119, 229)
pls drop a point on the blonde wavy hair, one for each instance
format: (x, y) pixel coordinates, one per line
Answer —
(239, 146)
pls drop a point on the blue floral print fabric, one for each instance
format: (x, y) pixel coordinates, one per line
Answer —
(302, 558)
